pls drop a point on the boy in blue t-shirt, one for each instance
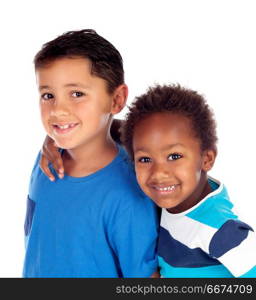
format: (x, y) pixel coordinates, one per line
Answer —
(95, 222)
(170, 133)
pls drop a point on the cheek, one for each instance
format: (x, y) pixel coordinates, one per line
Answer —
(88, 112)
(190, 172)
(141, 176)
(45, 112)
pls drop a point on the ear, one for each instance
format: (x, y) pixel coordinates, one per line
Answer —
(119, 98)
(208, 159)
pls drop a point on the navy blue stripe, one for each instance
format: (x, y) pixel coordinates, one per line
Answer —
(29, 215)
(179, 255)
(229, 236)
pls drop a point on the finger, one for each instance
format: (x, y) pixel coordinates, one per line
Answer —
(51, 151)
(44, 167)
(58, 165)
(55, 157)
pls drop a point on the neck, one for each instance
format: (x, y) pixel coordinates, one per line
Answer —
(88, 159)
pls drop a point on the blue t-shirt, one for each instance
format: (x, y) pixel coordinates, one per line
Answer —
(101, 225)
(208, 240)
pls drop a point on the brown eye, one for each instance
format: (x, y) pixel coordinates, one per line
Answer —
(47, 96)
(77, 94)
(144, 160)
(174, 156)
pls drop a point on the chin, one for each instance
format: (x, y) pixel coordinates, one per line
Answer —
(161, 204)
(66, 146)
(166, 204)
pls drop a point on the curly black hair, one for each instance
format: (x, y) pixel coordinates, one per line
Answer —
(106, 61)
(173, 99)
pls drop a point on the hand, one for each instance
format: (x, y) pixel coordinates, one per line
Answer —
(155, 275)
(50, 154)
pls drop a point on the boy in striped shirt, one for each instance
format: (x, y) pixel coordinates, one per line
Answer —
(170, 133)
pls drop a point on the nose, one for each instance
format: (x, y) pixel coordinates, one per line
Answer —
(160, 172)
(60, 108)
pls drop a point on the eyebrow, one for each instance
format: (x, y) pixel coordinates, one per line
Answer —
(168, 147)
(45, 87)
(76, 85)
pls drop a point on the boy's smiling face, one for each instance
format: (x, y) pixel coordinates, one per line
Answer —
(170, 166)
(75, 106)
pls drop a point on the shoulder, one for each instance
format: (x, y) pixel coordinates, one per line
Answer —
(124, 193)
(39, 183)
(204, 218)
(36, 171)
(234, 246)
(197, 226)
(123, 177)
(228, 236)
(215, 209)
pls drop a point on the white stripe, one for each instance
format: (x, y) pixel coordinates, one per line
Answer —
(189, 232)
(242, 258)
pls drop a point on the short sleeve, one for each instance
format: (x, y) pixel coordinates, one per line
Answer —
(234, 245)
(134, 237)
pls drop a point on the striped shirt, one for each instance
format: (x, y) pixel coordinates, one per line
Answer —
(208, 240)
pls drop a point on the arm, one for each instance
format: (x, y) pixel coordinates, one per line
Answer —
(134, 239)
(50, 153)
(234, 246)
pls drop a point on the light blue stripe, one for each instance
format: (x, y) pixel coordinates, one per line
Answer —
(214, 211)
(168, 271)
(250, 274)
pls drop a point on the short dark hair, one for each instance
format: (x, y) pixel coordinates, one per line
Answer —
(106, 61)
(173, 99)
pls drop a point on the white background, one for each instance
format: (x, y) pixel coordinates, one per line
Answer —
(204, 45)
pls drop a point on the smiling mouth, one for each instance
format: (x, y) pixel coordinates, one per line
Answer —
(165, 189)
(63, 128)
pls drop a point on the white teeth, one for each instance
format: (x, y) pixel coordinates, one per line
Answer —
(63, 126)
(168, 188)
(66, 126)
